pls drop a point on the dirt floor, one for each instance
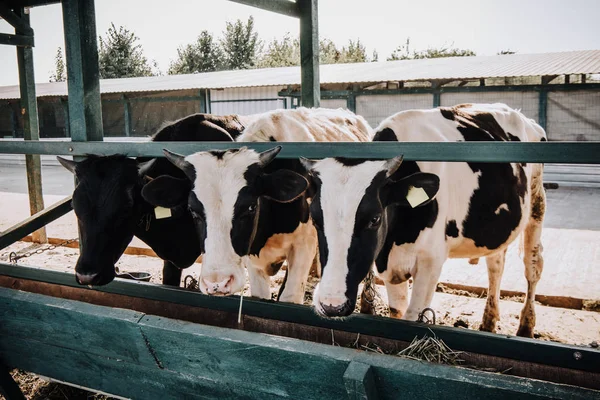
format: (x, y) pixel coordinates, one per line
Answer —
(452, 308)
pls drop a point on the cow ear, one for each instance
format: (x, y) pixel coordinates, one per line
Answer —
(166, 191)
(283, 186)
(68, 164)
(414, 190)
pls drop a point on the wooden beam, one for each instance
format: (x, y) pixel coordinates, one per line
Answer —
(309, 52)
(31, 131)
(34, 222)
(85, 107)
(15, 20)
(283, 7)
(16, 40)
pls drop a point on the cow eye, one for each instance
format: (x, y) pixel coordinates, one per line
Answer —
(251, 208)
(374, 222)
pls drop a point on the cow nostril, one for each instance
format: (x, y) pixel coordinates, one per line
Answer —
(228, 282)
(336, 311)
(87, 279)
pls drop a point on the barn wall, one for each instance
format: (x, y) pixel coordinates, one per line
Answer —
(574, 115)
(246, 101)
(375, 108)
(334, 103)
(527, 102)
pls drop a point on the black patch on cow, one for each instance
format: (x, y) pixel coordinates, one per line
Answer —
(447, 113)
(273, 217)
(475, 126)
(350, 162)
(385, 135)
(272, 139)
(218, 154)
(512, 137)
(451, 229)
(543, 139)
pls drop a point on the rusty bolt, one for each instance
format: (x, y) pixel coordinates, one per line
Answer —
(70, 149)
(577, 355)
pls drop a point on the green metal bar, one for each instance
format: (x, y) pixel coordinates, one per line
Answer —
(543, 108)
(16, 40)
(284, 7)
(524, 349)
(31, 129)
(543, 152)
(247, 100)
(309, 52)
(350, 102)
(65, 105)
(359, 380)
(202, 98)
(437, 98)
(85, 108)
(35, 222)
(153, 99)
(208, 102)
(127, 115)
(15, 20)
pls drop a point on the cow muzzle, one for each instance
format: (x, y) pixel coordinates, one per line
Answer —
(218, 286)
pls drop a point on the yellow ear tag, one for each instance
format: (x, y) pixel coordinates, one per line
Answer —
(161, 212)
(416, 196)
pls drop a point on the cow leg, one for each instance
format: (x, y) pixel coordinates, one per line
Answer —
(300, 260)
(397, 298)
(425, 279)
(532, 252)
(171, 274)
(260, 281)
(491, 315)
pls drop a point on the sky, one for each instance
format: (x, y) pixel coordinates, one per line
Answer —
(485, 26)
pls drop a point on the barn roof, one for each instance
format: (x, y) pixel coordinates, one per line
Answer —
(452, 68)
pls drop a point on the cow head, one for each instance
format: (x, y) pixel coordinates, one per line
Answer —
(106, 202)
(225, 192)
(351, 212)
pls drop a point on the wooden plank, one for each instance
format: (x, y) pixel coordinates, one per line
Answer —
(31, 131)
(283, 7)
(360, 382)
(34, 222)
(309, 52)
(85, 108)
(547, 152)
(294, 330)
(524, 349)
(16, 40)
(191, 359)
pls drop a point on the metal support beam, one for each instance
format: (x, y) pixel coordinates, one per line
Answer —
(548, 78)
(85, 108)
(437, 98)
(127, 115)
(202, 96)
(31, 129)
(351, 102)
(543, 107)
(309, 52)
(16, 40)
(284, 7)
(19, 23)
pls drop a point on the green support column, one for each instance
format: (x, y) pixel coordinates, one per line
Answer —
(543, 107)
(31, 130)
(309, 52)
(85, 107)
(65, 106)
(127, 116)
(437, 98)
(202, 95)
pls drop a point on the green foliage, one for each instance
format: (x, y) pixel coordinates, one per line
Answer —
(240, 44)
(60, 73)
(403, 52)
(355, 52)
(375, 56)
(120, 55)
(204, 55)
(328, 52)
(281, 53)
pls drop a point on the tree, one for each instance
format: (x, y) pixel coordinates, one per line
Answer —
(204, 55)
(328, 52)
(375, 56)
(240, 44)
(60, 74)
(120, 55)
(354, 53)
(403, 52)
(281, 53)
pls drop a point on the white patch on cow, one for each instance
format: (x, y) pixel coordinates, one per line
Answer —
(308, 125)
(218, 191)
(502, 206)
(342, 190)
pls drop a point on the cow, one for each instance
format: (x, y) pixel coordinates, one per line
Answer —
(110, 209)
(252, 210)
(409, 217)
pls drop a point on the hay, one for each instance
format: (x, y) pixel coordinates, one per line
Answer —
(431, 349)
(36, 388)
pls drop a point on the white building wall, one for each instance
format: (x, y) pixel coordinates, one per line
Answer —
(376, 108)
(573, 115)
(527, 102)
(247, 100)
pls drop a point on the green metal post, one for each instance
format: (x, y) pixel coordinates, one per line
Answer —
(203, 101)
(543, 107)
(31, 130)
(127, 115)
(65, 105)
(309, 52)
(85, 107)
(437, 98)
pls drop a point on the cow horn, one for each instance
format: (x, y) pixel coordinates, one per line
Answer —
(392, 165)
(68, 164)
(267, 156)
(144, 167)
(307, 163)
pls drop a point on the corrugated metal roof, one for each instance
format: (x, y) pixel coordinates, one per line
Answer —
(455, 68)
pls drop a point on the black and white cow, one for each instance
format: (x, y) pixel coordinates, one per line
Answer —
(251, 210)
(363, 212)
(110, 209)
